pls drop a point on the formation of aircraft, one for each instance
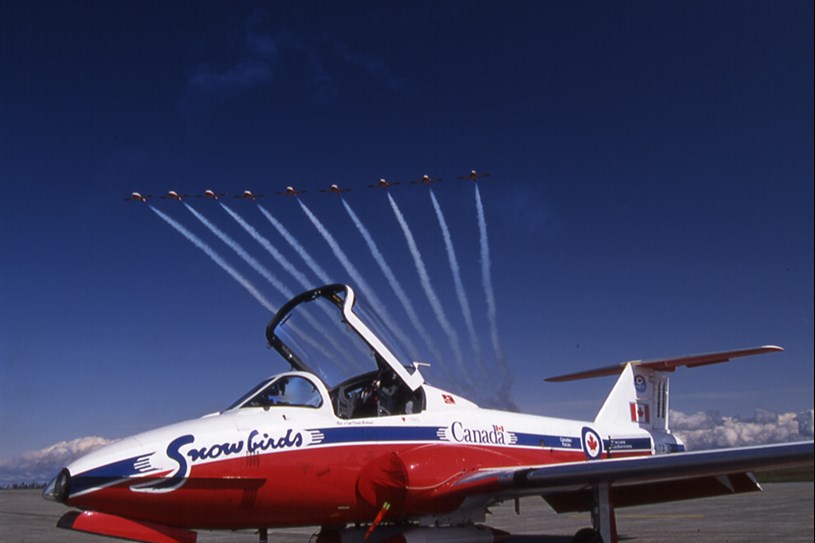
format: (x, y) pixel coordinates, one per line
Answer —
(291, 191)
(358, 443)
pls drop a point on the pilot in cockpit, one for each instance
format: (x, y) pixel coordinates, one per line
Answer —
(291, 391)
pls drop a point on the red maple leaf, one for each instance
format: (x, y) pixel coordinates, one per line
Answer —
(592, 443)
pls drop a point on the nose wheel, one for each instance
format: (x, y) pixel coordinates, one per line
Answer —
(263, 535)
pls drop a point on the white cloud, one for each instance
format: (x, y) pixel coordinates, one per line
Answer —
(710, 430)
(43, 464)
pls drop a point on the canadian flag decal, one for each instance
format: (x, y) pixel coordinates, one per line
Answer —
(640, 412)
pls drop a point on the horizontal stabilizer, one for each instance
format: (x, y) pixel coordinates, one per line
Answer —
(668, 364)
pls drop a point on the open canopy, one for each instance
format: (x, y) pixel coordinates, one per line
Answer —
(326, 332)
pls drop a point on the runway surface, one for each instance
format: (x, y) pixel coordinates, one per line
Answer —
(783, 512)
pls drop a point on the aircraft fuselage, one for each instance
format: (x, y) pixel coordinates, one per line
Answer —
(286, 466)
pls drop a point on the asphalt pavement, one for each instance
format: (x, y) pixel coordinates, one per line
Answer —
(783, 512)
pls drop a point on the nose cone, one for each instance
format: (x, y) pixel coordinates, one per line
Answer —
(95, 470)
(59, 487)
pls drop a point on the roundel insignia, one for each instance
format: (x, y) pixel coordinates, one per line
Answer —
(592, 444)
(640, 384)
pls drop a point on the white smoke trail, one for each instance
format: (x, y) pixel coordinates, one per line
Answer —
(459, 286)
(218, 260)
(297, 274)
(249, 259)
(432, 297)
(404, 299)
(257, 266)
(486, 276)
(489, 294)
(310, 262)
(352, 272)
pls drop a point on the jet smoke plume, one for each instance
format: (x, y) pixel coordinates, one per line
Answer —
(310, 262)
(489, 294)
(459, 286)
(404, 299)
(249, 259)
(279, 258)
(218, 260)
(432, 297)
(351, 270)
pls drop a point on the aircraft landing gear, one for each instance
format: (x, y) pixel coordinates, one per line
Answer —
(604, 525)
(263, 535)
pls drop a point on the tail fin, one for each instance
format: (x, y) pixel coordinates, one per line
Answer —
(640, 398)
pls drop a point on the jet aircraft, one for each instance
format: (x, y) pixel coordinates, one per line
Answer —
(357, 442)
(473, 176)
(291, 191)
(209, 193)
(336, 189)
(137, 197)
(248, 195)
(427, 180)
(173, 195)
(383, 184)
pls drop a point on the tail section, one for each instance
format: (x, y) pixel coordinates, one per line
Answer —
(639, 400)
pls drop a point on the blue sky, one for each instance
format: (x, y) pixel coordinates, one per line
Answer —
(651, 193)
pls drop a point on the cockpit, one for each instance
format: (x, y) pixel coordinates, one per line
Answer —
(326, 335)
(285, 390)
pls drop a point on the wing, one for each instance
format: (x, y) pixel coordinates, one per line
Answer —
(639, 480)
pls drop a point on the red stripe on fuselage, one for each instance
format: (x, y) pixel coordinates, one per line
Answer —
(287, 488)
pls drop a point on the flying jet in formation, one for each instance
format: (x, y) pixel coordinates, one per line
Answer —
(336, 189)
(248, 195)
(209, 193)
(383, 184)
(426, 180)
(473, 176)
(173, 195)
(291, 191)
(359, 444)
(137, 197)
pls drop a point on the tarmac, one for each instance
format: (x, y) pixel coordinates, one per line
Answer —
(783, 512)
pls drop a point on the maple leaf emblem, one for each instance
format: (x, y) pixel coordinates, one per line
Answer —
(592, 443)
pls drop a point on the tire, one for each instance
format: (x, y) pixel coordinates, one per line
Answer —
(587, 535)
